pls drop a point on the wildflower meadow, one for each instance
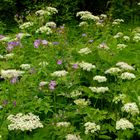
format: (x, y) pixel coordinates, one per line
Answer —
(76, 82)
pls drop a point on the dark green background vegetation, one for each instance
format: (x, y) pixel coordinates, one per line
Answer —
(126, 9)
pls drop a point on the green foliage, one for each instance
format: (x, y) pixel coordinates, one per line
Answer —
(69, 97)
(125, 9)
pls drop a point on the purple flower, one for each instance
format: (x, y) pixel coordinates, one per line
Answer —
(84, 34)
(37, 43)
(5, 102)
(14, 103)
(75, 66)
(59, 62)
(14, 43)
(52, 85)
(55, 43)
(13, 80)
(44, 42)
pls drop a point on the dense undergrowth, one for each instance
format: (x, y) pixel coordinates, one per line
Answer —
(70, 82)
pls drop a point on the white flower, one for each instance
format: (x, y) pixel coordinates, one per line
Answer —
(99, 24)
(131, 108)
(75, 93)
(81, 102)
(126, 38)
(117, 21)
(121, 46)
(83, 23)
(81, 13)
(43, 83)
(86, 66)
(52, 10)
(124, 124)
(112, 71)
(127, 76)
(120, 97)
(9, 56)
(50, 24)
(103, 46)
(59, 73)
(99, 89)
(136, 38)
(90, 17)
(1, 56)
(91, 127)
(103, 16)
(124, 66)
(44, 29)
(73, 137)
(42, 12)
(26, 25)
(5, 39)
(24, 122)
(10, 73)
(100, 79)
(84, 51)
(118, 35)
(63, 124)
(25, 66)
(138, 4)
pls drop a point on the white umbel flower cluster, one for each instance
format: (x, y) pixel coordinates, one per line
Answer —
(44, 29)
(63, 124)
(103, 46)
(119, 98)
(118, 35)
(121, 46)
(51, 24)
(91, 127)
(99, 89)
(59, 73)
(131, 108)
(86, 15)
(22, 122)
(73, 137)
(100, 79)
(52, 10)
(124, 124)
(136, 38)
(86, 66)
(9, 56)
(42, 12)
(8, 74)
(1, 56)
(75, 93)
(26, 25)
(126, 38)
(124, 66)
(83, 24)
(117, 21)
(84, 51)
(127, 76)
(81, 102)
(112, 71)
(25, 66)
(43, 83)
